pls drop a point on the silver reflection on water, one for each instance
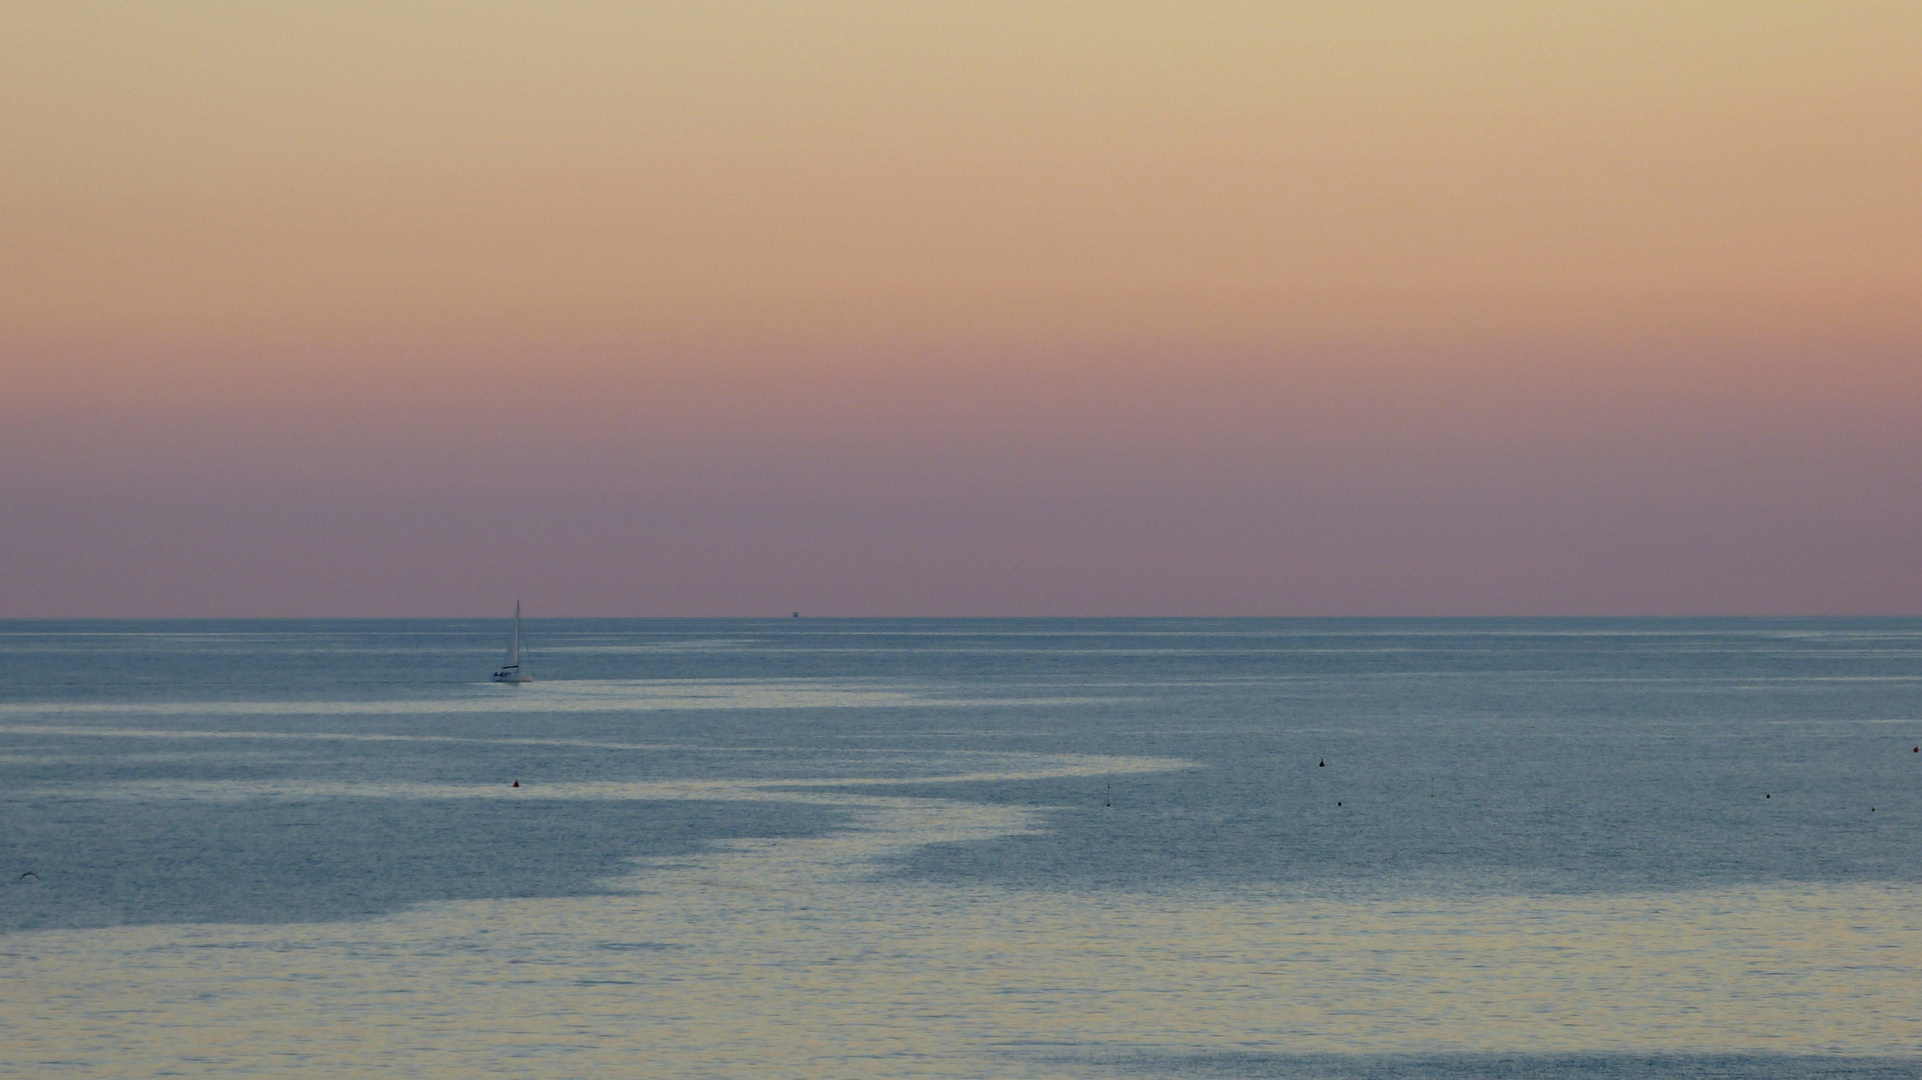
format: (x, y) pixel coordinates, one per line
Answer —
(790, 958)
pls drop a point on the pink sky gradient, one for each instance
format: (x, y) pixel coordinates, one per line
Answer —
(1117, 310)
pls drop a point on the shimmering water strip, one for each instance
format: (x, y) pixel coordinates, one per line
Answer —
(576, 696)
(1016, 767)
(790, 958)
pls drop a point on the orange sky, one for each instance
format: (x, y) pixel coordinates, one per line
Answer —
(876, 308)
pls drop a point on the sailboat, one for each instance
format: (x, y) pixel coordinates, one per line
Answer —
(510, 669)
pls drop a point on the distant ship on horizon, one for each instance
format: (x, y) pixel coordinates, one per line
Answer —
(510, 669)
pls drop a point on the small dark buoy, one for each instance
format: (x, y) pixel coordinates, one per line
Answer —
(1768, 796)
(1323, 765)
(517, 783)
(1338, 804)
(796, 615)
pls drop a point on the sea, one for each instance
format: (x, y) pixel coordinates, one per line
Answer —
(1001, 848)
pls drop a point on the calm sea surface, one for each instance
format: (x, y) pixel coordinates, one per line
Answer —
(963, 848)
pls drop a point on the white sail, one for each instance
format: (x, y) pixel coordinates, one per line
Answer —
(514, 642)
(510, 669)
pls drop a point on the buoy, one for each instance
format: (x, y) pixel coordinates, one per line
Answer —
(517, 783)
(1337, 804)
(1323, 765)
(1768, 796)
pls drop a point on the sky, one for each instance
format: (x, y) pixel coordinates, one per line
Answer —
(895, 308)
